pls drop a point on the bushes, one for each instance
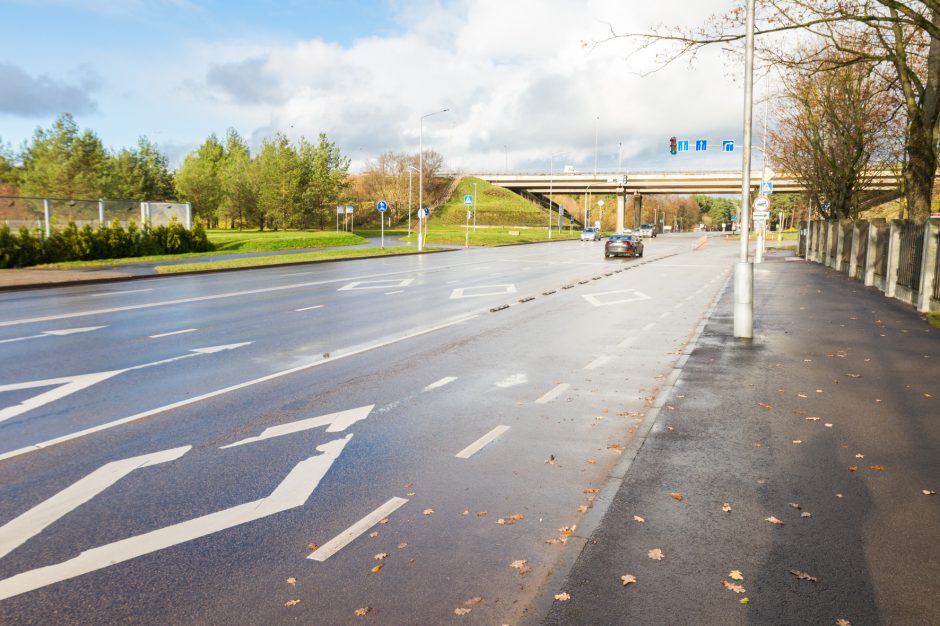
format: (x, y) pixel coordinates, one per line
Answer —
(24, 247)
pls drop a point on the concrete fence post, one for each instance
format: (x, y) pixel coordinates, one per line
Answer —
(47, 216)
(870, 254)
(840, 243)
(189, 216)
(819, 240)
(100, 211)
(830, 234)
(853, 249)
(894, 257)
(928, 265)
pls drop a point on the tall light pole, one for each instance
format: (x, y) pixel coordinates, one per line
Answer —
(411, 168)
(421, 175)
(743, 269)
(620, 157)
(596, 120)
(551, 183)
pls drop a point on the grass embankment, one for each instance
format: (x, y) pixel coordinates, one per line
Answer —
(452, 235)
(495, 206)
(282, 259)
(234, 242)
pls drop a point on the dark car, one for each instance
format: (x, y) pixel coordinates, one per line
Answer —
(623, 245)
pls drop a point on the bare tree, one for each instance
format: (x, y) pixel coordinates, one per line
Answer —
(898, 39)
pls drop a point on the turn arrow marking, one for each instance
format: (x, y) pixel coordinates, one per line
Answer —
(55, 333)
(337, 422)
(67, 385)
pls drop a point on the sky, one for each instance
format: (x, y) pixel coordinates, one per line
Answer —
(522, 79)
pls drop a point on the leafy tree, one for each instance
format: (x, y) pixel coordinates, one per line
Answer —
(324, 178)
(9, 172)
(199, 180)
(62, 162)
(239, 184)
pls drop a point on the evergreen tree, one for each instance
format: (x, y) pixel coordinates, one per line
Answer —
(62, 162)
(199, 179)
(239, 184)
(325, 179)
(280, 175)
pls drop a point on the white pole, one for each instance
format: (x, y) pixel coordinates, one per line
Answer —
(47, 216)
(474, 207)
(596, 120)
(101, 212)
(743, 270)
(409, 200)
(421, 235)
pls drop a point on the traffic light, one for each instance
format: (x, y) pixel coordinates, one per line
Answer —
(672, 145)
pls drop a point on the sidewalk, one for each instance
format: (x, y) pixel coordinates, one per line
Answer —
(835, 371)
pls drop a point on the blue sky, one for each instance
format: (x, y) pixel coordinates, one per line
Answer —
(515, 75)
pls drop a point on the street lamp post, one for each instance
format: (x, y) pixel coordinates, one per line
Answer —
(743, 269)
(411, 168)
(596, 120)
(551, 182)
(421, 175)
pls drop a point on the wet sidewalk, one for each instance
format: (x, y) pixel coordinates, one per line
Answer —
(785, 481)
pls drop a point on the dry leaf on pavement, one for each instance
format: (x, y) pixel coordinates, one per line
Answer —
(563, 596)
(803, 575)
(510, 519)
(591, 490)
(805, 514)
(592, 461)
(460, 611)
(859, 456)
(472, 601)
(655, 554)
(376, 568)
(764, 405)
(402, 546)
(312, 546)
(626, 580)
(877, 468)
(852, 468)
(292, 581)
(292, 603)
(794, 505)
(637, 518)
(381, 556)
(582, 508)
(774, 520)
(518, 564)
(676, 496)
(383, 521)
(736, 575)
(360, 612)
(374, 534)
(428, 511)
(482, 513)
(812, 418)
(733, 587)
(726, 508)
(797, 441)
(929, 492)
(843, 622)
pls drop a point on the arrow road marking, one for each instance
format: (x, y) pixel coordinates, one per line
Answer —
(377, 284)
(482, 442)
(440, 383)
(18, 531)
(293, 491)
(634, 296)
(337, 422)
(346, 537)
(512, 381)
(68, 385)
(55, 333)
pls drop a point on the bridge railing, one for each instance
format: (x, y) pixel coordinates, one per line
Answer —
(900, 258)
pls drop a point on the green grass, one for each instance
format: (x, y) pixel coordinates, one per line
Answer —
(261, 261)
(495, 207)
(933, 318)
(452, 235)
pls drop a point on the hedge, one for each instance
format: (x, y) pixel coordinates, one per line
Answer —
(26, 247)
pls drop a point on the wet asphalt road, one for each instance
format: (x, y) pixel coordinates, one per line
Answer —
(168, 371)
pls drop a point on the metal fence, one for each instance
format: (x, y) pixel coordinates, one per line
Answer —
(17, 211)
(911, 255)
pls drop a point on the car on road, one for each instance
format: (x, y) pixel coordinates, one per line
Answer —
(591, 234)
(623, 245)
(647, 230)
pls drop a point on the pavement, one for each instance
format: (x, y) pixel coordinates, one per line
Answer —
(785, 480)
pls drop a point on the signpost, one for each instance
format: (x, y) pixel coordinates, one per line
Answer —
(468, 201)
(352, 219)
(382, 207)
(423, 214)
(767, 187)
(339, 211)
(760, 212)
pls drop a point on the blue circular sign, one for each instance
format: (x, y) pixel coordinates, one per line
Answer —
(382, 206)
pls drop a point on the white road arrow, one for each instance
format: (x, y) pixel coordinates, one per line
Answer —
(337, 422)
(55, 333)
(67, 385)
(293, 491)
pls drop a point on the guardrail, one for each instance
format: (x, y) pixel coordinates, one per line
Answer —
(900, 258)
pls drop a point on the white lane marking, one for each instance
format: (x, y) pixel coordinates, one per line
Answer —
(296, 274)
(440, 383)
(55, 333)
(480, 443)
(346, 537)
(462, 292)
(218, 296)
(309, 308)
(337, 422)
(595, 299)
(21, 529)
(118, 293)
(451, 282)
(175, 332)
(598, 362)
(376, 284)
(690, 297)
(292, 492)
(626, 343)
(665, 315)
(212, 394)
(67, 385)
(392, 293)
(554, 393)
(512, 381)
(678, 306)
(648, 327)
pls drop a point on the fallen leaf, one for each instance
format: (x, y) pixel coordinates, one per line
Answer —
(827, 425)
(656, 554)
(819, 391)
(482, 513)
(812, 418)
(726, 508)
(794, 505)
(466, 513)
(843, 622)
(852, 468)
(292, 581)
(803, 575)
(805, 514)
(472, 601)
(519, 564)
(764, 405)
(592, 461)
(801, 395)
(860, 456)
(562, 597)
(797, 441)
(409, 494)
(676, 496)
(733, 587)
(428, 511)
(292, 603)
(460, 611)
(381, 556)
(927, 395)
(591, 490)
(510, 519)
(736, 575)
(627, 579)
(363, 611)
(637, 518)
(408, 485)
(929, 492)
(376, 568)
(402, 546)
(877, 468)
(374, 534)
(774, 520)
(854, 375)
(567, 530)
(839, 495)
(312, 546)
(582, 508)
(745, 600)
(616, 446)
(383, 521)
(550, 460)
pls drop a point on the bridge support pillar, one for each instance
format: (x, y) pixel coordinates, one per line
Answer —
(637, 209)
(621, 205)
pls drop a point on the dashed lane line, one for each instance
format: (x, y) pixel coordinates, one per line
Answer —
(665, 315)
(175, 332)
(626, 343)
(440, 383)
(349, 535)
(648, 327)
(309, 308)
(392, 293)
(554, 393)
(598, 362)
(482, 442)
(118, 293)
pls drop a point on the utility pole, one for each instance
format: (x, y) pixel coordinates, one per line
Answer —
(743, 269)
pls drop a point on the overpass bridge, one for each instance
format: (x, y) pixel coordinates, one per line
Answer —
(638, 184)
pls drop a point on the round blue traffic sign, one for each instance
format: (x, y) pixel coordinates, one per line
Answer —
(382, 206)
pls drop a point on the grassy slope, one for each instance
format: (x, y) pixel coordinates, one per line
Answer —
(495, 207)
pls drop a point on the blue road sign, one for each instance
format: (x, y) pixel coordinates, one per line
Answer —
(767, 187)
(468, 199)
(701, 145)
(349, 209)
(727, 145)
(682, 145)
(382, 206)
(424, 212)
(734, 218)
